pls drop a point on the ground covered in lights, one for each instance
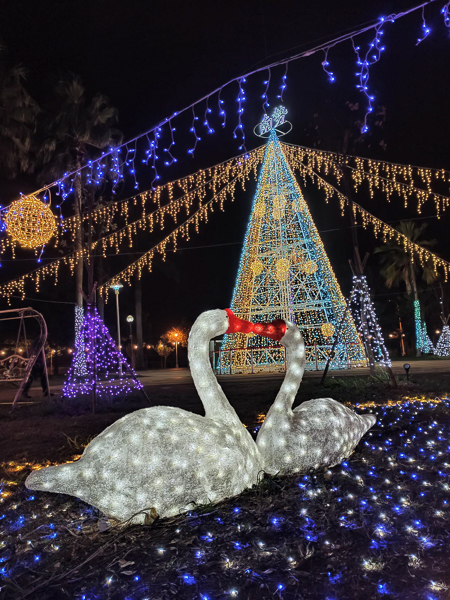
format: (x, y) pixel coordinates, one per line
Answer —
(376, 526)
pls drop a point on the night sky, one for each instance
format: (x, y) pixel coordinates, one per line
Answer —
(152, 58)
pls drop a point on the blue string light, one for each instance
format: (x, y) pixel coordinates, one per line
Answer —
(239, 129)
(425, 29)
(325, 65)
(446, 12)
(283, 83)
(194, 131)
(265, 96)
(206, 122)
(371, 57)
(102, 168)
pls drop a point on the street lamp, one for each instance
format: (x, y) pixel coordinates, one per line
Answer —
(176, 351)
(402, 335)
(116, 287)
(130, 320)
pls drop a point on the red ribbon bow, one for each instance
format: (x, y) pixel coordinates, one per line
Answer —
(274, 330)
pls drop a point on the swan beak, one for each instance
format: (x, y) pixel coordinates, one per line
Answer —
(274, 330)
(236, 325)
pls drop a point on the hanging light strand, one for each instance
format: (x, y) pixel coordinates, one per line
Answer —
(387, 177)
(380, 228)
(183, 232)
(238, 172)
(193, 187)
(237, 169)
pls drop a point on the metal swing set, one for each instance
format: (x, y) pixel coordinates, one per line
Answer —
(17, 368)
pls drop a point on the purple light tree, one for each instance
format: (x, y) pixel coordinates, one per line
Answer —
(107, 373)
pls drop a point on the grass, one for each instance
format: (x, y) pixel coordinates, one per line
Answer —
(376, 526)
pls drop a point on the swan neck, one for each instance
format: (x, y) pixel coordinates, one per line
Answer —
(215, 403)
(295, 367)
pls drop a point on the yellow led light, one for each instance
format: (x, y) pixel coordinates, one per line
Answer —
(30, 222)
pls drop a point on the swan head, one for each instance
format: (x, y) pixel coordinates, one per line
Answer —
(210, 324)
(293, 338)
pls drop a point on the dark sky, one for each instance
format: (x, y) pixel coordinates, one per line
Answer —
(154, 57)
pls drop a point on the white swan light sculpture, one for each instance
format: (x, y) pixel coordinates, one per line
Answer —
(164, 457)
(317, 433)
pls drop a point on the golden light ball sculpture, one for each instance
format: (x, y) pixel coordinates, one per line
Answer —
(327, 329)
(30, 222)
(282, 267)
(309, 267)
(257, 267)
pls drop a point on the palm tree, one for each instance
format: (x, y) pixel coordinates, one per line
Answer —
(18, 113)
(72, 132)
(398, 265)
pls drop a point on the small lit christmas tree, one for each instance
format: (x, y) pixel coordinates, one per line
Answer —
(443, 345)
(107, 373)
(363, 311)
(427, 344)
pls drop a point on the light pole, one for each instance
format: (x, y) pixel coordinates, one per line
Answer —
(130, 320)
(402, 336)
(116, 287)
(176, 352)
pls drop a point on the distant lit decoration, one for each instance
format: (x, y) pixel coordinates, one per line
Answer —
(105, 370)
(427, 345)
(366, 320)
(296, 282)
(276, 123)
(318, 433)
(418, 326)
(30, 222)
(328, 329)
(443, 345)
(164, 459)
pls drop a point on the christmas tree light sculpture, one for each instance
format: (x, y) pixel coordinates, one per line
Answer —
(427, 344)
(79, 362)
(107, 373)
(284, 272)
(366, 321)
(418, 325)
(443, 345)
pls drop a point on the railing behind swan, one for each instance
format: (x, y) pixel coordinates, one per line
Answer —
(273, 359)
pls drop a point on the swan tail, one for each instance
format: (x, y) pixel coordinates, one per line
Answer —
(369, 421)
(62, 479)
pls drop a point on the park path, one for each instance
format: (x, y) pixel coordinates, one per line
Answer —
(166, 378)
